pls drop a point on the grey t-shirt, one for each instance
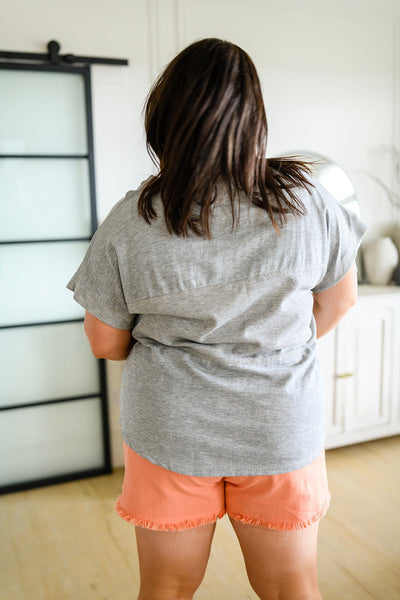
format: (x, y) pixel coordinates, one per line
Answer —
(224, 379)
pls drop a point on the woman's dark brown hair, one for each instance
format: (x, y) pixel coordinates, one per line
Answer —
(205, 125)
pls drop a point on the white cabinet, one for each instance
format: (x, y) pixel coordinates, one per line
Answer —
(360, 363)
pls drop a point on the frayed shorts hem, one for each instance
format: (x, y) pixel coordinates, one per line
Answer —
(181, 526)
(192, 523)
(282, 526)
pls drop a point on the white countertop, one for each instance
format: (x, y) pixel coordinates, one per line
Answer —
(388, 295)
(377, 290)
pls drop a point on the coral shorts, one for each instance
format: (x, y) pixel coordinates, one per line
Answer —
(156, 498)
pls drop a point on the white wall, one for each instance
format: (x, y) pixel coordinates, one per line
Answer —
(330, 71)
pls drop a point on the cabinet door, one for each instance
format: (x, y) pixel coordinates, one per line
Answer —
(396, 369)
(363, 362)
(333, 408)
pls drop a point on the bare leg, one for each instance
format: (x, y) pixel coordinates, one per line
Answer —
(172, 563)
(280, 564)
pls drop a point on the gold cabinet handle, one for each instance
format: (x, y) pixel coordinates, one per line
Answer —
(343, 375)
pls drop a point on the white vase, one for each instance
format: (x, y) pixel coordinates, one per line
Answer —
(380, 260)
(395, 235)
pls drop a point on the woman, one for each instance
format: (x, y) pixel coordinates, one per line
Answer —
(214, 280)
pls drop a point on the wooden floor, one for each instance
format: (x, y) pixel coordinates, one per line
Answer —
(65, 542)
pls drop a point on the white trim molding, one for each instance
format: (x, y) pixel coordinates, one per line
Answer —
(166, 32)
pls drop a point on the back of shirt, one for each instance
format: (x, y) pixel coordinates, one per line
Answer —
(224, 379)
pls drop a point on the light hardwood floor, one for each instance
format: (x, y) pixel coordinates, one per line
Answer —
(66, 542)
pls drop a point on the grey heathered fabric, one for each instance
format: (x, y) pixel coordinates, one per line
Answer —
(224, 379)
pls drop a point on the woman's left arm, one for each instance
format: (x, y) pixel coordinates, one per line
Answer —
(106, 341)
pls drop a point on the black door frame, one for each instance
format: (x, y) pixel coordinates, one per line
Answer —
(54, 65)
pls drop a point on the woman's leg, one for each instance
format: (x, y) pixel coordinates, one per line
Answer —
(280, 564)
(172, 563)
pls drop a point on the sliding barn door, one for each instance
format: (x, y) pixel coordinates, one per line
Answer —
(53, 405)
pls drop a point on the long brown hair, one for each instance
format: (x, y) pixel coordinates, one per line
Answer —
(205, 124)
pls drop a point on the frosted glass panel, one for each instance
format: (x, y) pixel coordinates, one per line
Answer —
(45, 441)
(33, 279)
(44, 199)
(56, 360)
(42, 113)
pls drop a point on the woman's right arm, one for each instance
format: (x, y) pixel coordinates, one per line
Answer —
(330, 306)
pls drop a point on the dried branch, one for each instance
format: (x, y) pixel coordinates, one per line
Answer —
(393, 198)
(392, 195)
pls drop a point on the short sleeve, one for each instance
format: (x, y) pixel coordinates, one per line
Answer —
(97, 284)
(343, 233)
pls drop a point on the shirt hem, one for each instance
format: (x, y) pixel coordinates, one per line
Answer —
(346, 262)
(105, 314)
(230, 471)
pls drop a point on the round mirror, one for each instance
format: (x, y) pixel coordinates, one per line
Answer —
(333, 178)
